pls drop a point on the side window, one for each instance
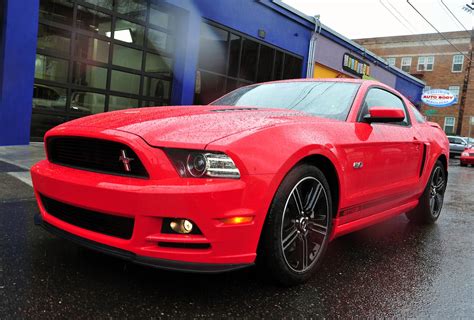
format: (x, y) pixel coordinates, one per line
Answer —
(381, 98)
(418, 116)
(452, 140)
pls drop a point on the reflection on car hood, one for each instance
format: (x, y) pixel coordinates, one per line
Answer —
(188, 126)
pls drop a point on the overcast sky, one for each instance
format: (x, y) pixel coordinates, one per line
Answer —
(374, 18)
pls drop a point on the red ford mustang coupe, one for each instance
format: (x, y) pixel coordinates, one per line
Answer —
(269, 173)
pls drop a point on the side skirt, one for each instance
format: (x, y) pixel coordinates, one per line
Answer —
(342, 229)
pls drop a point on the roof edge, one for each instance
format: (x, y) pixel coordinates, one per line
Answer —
(364, 51)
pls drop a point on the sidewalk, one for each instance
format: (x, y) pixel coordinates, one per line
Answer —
(17, 160)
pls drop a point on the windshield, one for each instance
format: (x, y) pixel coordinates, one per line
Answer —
(326, 99)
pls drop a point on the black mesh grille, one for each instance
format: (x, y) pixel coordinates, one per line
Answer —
(94, 155)
(115, 226)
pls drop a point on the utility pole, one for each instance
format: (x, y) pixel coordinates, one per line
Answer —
(465, 84)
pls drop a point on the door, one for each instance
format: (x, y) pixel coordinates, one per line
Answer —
(390, 156)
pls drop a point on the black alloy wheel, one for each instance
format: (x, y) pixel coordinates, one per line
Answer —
(297, 229)
(431, 201)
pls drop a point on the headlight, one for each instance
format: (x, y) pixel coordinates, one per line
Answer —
(197, 164)
(465, 154)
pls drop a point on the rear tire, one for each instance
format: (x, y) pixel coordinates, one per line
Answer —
(297, 229)
(431, 201)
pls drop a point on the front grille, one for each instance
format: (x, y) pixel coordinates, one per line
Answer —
(95, 155)
(115, 226)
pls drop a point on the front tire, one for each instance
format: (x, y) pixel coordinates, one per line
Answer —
(431, 201)
(297, 228)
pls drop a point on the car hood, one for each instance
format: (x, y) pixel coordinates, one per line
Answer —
(188, 126)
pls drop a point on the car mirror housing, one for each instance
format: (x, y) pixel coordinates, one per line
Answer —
(383, 114)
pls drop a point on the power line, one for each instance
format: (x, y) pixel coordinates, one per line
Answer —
(454, 16)
(401, 22)
(401, 15)
(442, 35)
(412, 29)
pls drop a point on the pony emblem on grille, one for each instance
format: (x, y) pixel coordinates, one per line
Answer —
(125, 160)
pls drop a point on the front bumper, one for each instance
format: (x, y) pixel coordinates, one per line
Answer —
(132, 257)
(148, 201)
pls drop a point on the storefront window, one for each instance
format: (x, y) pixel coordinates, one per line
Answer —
(127, 57)
(158, 64)
(89, 48)
(57, 10)
(93, 21)
(129, 32)
(136, 9)
(213, 49)
(107, 4)
(265, 64)
(89, 76)
(87, 103)
(120, 103)
(52, 69)
(125, 82)
(160, 17)
(228, 60)
(96, 62)
(55, 39)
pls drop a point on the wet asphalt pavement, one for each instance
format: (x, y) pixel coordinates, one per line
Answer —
(393, 269)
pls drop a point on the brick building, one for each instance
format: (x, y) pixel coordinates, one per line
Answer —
(432, 59)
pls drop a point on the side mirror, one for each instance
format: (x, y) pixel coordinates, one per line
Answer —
(382, 114)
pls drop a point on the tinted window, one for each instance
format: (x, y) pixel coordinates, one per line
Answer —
(292, 68)
(265, 64)
(418, 116)
(381, 98)
(324, 99)
(248, 65)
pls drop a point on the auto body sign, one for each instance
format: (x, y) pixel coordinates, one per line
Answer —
(438, 98)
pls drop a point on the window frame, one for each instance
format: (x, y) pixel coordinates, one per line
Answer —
(402, 64)
(394, 59)
(360, 112)
(445, 122)
(461, 63)
(425, 64)
(458, 90)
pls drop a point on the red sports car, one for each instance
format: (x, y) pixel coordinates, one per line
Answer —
(269, 173)
(467, 156)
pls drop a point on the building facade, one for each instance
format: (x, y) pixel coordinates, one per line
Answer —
(441, 65)
(64, 59)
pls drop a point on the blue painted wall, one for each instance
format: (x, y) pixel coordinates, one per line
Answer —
(409, 89)
(18, 46)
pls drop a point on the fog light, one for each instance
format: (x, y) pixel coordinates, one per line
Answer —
(237, 220)
(181, 226)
